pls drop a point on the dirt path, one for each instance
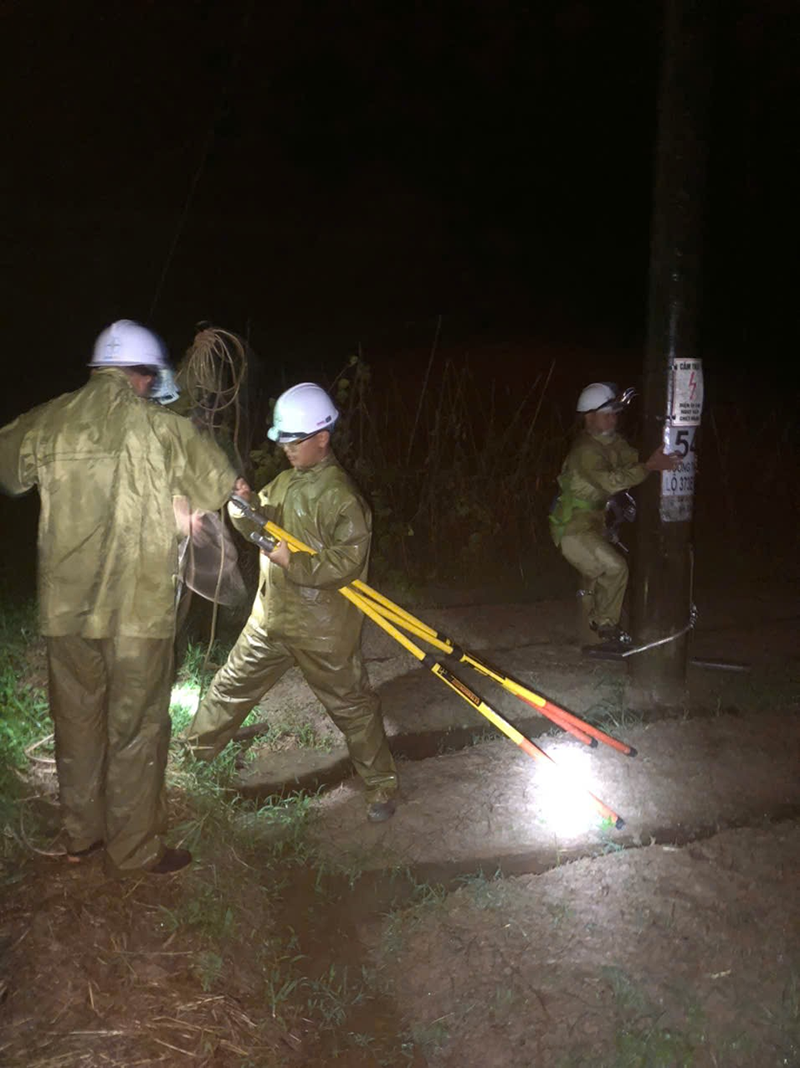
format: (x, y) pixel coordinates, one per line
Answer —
(658, 956)
(477, 929)
(535, 644)
(491, 806)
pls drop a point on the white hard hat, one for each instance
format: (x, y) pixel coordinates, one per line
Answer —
(604, 397)
(300, 412)
(127, 344)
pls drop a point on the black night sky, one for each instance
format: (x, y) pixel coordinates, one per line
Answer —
(319, 175)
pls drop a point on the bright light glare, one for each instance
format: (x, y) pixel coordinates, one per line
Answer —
(561, 798)
(185, 698)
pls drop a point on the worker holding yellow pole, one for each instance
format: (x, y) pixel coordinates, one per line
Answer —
(298, 616)
(389, 617)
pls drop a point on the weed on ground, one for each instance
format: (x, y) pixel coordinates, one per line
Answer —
(266, 953)
(217, 965)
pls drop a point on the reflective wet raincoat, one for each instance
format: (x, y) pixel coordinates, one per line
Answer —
(299, 617)
(107, 464)
(596, 467)
(322, 508)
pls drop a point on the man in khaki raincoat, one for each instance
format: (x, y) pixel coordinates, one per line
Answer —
(298, 616)
(599, 464)
(107, 463)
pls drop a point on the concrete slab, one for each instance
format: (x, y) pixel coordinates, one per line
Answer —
(293, 769)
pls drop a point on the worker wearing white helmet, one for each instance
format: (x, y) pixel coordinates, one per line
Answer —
(599, 464)
(298, 616)
(108, 465)
(128, 344)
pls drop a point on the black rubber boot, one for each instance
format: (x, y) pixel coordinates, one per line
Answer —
(172, 860)
(379, 811)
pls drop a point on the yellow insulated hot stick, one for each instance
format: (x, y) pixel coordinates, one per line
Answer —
(446, 646)
(474, 699)
(585, 732)
(435, 667)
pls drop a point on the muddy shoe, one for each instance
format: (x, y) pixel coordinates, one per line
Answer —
(78, 855)
(379, 811)
(613, 635)
(172, 860)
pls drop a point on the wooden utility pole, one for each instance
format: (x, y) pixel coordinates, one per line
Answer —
(673, 382)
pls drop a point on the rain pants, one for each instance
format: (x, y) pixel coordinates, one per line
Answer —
(595, 469)
(107, 465)
(299, 617)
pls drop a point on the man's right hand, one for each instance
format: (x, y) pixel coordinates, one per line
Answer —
(659, 461)
(242, 489)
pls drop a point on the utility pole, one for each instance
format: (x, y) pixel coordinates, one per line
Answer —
(673, 382)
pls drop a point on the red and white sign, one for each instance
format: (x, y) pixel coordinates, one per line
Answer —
(686, 393)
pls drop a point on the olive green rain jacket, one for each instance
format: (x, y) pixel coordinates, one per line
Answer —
(108, 464)
(321, 506)
(595, 468)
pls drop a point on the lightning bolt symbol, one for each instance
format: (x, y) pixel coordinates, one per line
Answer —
(692, 385)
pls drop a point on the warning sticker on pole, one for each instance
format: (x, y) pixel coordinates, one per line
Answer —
(686, 393)
(677, 487)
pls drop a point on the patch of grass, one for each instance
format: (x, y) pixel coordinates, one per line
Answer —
(205, 913)
(426, 898)
(281, 733)
(24, 720)
(333, 995)
(430, 1037)
(628, 996)
(641, 1042)
(610, 710)
(652, 1048)
(279, 988)
(280, 825)
(485, 892)
(208, 969)
(197, 669)
(24, 716)
(183, 705)
(200, 663)
(336, 876)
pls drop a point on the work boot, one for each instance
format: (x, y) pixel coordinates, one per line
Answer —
(612, 634)
(380, 811)
(76, 856)
(171, 860)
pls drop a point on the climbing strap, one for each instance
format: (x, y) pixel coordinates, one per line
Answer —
(664, 641)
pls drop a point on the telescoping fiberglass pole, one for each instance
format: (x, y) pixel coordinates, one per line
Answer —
(386, 614)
